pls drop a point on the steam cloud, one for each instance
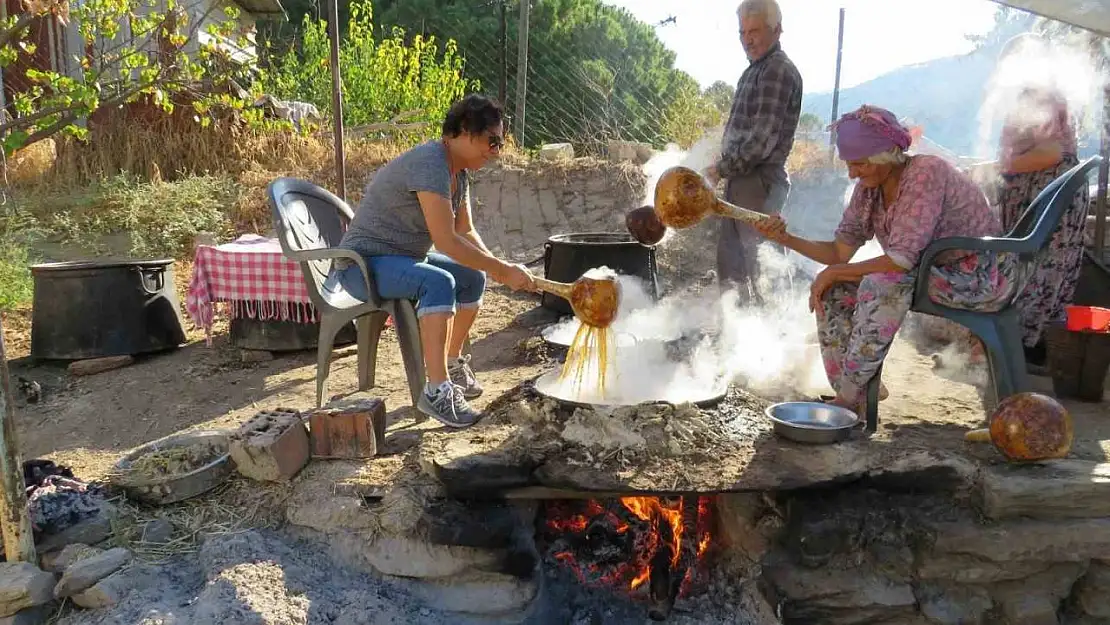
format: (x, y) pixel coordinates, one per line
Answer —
(1061, 65)
(688, 345)
(691, 343)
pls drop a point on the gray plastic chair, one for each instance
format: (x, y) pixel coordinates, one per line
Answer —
(1000, 331)
(310, 222)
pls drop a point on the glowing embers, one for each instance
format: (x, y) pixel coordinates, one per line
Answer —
(650, 547)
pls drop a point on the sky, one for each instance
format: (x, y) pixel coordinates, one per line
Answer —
(879, 35)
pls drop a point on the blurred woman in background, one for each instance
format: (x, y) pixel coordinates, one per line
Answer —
(1037, 145)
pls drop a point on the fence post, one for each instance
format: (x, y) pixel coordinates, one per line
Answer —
(337, 99)
(522, 71)
(836, 85)
(503, 88)
(1103, 175)
(15, 524)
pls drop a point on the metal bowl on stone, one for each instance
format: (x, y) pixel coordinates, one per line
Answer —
(812, 422)
(201, 476)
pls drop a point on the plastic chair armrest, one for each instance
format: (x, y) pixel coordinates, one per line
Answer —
(335, 253)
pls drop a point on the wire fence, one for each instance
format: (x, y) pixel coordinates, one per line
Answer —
(582, 86)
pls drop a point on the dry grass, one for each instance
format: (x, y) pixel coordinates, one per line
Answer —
(809, 157)
(235, 506)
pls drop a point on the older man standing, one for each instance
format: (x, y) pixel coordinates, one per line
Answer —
(758, 137)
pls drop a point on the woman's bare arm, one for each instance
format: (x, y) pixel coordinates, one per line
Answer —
(1043, 156)
(441, 225)
(824, 252)
(464, 225)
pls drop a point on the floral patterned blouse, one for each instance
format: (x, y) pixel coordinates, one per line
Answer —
(935, 200)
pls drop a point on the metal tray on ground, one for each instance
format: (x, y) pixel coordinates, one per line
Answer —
(547, 385)
(815, 423)
(166, 489)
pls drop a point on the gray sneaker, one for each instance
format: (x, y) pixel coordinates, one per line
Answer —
(449, 407)
(463, 376)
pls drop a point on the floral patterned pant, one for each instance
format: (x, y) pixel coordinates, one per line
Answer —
(1051, 284)
(857, 323)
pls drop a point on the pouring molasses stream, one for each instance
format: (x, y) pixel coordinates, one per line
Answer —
(683, 198)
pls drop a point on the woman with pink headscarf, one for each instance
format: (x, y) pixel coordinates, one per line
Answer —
(906, 202)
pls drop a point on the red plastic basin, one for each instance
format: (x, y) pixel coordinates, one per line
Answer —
(1088, 319)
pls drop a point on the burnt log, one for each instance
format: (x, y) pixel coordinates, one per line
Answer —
(661, 584)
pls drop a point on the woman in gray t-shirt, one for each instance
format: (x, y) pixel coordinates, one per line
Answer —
(421, 199)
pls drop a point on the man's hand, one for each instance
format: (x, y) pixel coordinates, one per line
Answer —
(516, 277)
(773, 228)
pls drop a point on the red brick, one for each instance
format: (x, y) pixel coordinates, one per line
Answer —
(348, 429)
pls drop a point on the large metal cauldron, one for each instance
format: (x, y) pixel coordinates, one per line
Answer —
(567, 256)
(93, 309)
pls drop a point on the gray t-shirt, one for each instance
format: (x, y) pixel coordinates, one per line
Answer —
(389, 220)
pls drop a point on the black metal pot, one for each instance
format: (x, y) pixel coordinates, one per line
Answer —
(568, 256)
(94, 309)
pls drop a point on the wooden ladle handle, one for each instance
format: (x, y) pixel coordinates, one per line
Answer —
(982, 435)
(561, 289)
(729, 209)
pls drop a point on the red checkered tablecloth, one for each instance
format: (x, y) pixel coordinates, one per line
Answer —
(253, 277)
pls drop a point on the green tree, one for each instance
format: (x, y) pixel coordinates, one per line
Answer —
(809, 122)
(720, 94)
(1008, 23)
(382, 77)
(691, 114)
(157, 56)
(595, 71)
(278, 36)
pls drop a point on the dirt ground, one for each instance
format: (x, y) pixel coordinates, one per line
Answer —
(88, 422)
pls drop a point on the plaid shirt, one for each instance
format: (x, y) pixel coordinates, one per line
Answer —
(764, 116)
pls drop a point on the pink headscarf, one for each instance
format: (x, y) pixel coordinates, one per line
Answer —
(867, 131)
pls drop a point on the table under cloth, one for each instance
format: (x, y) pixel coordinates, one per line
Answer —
(255, 280)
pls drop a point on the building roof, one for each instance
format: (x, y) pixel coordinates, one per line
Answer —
(1094, 15)
(262, 7)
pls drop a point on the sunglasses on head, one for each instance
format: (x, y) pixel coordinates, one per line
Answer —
(496, 142)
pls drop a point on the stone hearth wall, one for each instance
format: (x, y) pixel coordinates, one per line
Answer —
(519, 204)
(1029, 546)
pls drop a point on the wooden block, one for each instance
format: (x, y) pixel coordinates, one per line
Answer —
(1060, 489)
(94, 366)
(348, 429)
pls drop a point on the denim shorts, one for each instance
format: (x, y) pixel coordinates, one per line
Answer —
(438, 283)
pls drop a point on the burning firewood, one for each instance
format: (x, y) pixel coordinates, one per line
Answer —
(647, 547)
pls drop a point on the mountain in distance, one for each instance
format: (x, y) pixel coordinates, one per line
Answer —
(944, 96)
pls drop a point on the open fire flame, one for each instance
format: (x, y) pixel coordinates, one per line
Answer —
(633, 542)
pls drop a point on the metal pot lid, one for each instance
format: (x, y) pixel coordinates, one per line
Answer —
(107, 263)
